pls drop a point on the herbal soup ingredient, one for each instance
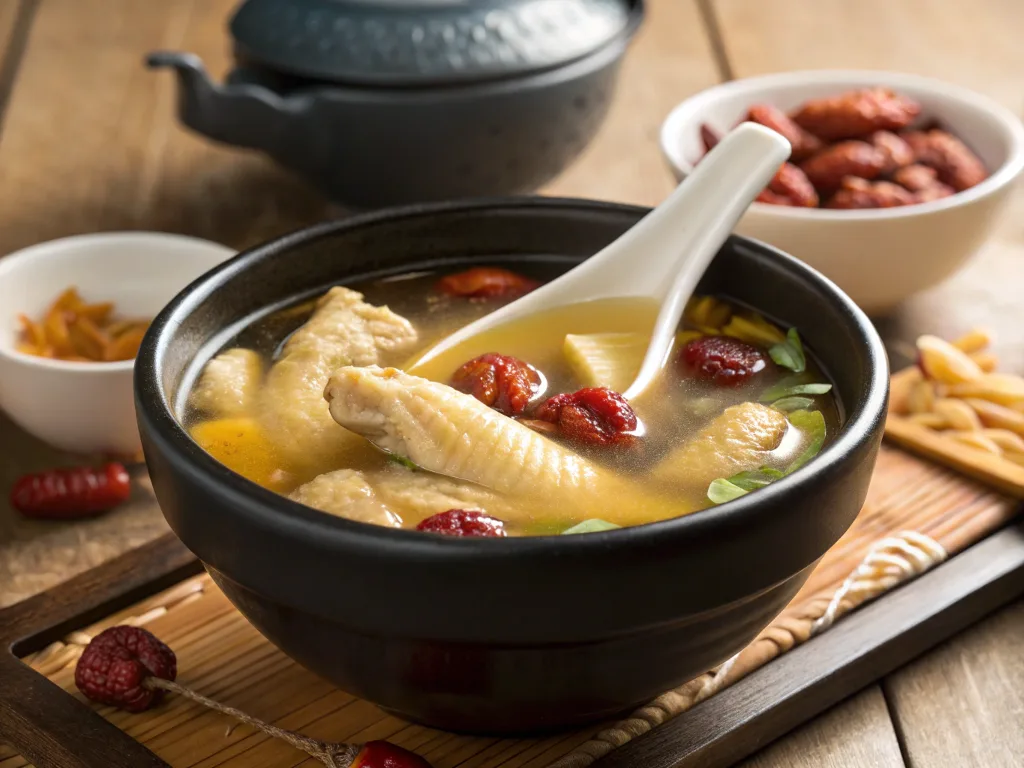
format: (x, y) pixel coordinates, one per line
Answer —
(115, 664)
(131, 669)
(521, 432)
(463, 522)
(68, 494)
(860, 149)
(960, 407)
(74, 330)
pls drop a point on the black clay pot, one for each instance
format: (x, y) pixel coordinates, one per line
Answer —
(503, 635)
(413, 100)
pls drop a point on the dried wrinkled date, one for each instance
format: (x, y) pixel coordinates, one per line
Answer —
(923, 182)
(858, 193)
(804, 144)
(708, 137)
(505, 383)
(936, 192)
(857, 150)
(828, 168)
(857, 113)
(790, 186)
(916, 177)
(955, 164)
(895, 150)
(591, 416)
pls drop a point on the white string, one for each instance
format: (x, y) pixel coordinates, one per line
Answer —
(889, 562)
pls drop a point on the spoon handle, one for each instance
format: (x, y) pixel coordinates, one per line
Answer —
(674, 244)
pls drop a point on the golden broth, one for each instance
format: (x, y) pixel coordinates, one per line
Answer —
(673, 411)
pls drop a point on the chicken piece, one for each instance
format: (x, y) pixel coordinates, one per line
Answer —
(343, 330)
(450, 433)
(740, 438)
(453, 434)
(346, 493)
(395, 494)
(229, 384)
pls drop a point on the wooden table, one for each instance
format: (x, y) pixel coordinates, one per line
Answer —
(89, 142)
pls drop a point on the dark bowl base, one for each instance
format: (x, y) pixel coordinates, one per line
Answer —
(508, 691)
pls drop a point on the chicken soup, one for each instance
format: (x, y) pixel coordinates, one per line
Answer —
(520, 431)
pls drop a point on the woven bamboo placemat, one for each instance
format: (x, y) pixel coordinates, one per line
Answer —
(916, 515)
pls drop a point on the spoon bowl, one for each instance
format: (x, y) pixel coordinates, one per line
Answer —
(664, 255)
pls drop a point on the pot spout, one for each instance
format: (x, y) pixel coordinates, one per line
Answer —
(224, 113)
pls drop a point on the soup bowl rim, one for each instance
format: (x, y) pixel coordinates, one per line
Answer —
(297, 521)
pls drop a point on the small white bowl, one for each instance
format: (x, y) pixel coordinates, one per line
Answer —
(879, 257)
(88, 407)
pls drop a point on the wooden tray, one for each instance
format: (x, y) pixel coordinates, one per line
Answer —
(780, 681)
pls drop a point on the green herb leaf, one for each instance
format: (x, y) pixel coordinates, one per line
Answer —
(778, 392)
(728, 488)
(756, 478)
(723, 490)
(812, 423)
(782, 387)
(786, 404)
(790, 353)
(591, 526)
(403, 461)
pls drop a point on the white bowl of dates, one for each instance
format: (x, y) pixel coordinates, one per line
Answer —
(895, 181)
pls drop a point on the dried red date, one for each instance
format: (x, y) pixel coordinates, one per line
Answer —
(792, 183)
(723, 360)
(923, 182)
(115, 664)
(857, 113)
(463, 522)
(486, 283)
(592, 416)
(858, 193)
(897, 152)
(827, 169)
(767, 196)
(955, 164)
(708, 137)
(916, 177)
(804, 144)
(935, 192)
(505, 383)
(67, 494)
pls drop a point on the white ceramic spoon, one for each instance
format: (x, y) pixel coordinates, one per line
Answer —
(665, 254)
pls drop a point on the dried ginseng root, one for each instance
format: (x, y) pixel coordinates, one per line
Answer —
(955, 407)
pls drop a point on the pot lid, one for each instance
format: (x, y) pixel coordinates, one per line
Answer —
(424, 42)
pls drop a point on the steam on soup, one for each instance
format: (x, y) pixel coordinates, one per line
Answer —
(521, 431)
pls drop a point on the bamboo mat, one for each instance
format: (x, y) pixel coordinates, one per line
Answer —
(223, 657)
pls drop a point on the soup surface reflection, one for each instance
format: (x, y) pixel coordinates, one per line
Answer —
(521, 431)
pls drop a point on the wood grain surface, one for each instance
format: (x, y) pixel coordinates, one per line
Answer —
(963, 705)
(978, 47)
(222, 656)
(856, 733)
(89, 142)
(670, 60)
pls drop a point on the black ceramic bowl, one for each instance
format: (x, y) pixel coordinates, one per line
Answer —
(503, 635)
